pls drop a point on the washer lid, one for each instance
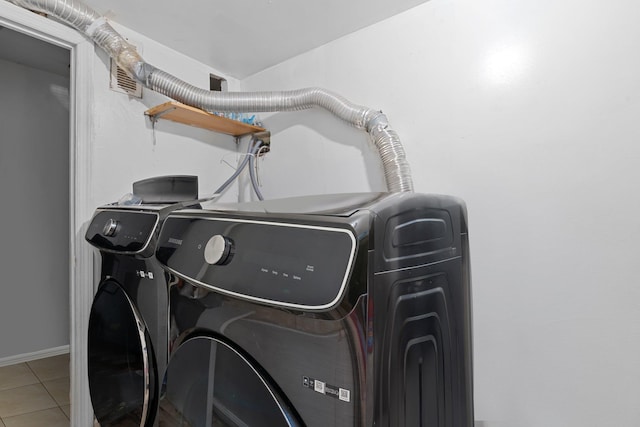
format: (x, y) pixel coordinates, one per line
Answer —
(210, 384)
(122, 368)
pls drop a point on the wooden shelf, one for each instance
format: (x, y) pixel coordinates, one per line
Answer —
(192, 116)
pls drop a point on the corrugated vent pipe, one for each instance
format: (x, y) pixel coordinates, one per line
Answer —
(83, 18)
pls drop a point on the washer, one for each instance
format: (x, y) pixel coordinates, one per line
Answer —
(338, 310)
(128, 329)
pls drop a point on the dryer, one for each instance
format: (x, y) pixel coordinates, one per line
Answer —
(337, 310)
(128, 329)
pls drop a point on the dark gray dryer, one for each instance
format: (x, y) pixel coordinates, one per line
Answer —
(128, 326)
(342, 310)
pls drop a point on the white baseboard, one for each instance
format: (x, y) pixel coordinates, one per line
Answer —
(28, 357)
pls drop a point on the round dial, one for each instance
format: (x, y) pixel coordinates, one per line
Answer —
(110, 228)
(218, 250)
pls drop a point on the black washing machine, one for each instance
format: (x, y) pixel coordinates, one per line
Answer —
(338, 310)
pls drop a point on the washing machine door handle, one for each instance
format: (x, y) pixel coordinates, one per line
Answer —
(122, 370)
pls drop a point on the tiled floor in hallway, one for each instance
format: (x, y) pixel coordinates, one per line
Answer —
(36, 393)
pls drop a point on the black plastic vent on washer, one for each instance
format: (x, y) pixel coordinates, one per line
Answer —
(418, 344)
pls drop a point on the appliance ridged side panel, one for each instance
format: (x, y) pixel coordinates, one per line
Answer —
(421, 313)
(418, 346)
(418, 230)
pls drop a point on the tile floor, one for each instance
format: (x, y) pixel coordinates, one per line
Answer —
(36, 393)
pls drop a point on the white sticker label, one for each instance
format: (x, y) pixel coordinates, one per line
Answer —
(343, 394)
(144, 274)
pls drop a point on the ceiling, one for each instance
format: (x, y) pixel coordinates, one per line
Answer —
(241, 37)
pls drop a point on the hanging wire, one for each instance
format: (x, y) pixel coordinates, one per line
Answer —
(252, 172)
(251, 153)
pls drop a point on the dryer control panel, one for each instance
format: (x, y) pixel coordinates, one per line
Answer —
(298, 266)
(122, 231)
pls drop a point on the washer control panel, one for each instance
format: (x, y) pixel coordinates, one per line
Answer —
(292, 265)
(122, 231)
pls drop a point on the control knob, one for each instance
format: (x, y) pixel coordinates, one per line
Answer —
(218, 250)
(110, 228)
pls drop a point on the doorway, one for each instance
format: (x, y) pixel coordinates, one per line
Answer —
(78, 53)
(35, 180)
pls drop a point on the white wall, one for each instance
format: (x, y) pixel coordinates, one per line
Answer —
(528, 111)
(124, 147)
(34, 187)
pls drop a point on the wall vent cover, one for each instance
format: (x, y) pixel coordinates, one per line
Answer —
(121, 82)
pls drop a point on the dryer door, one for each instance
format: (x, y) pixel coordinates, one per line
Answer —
(122, 370)
(208, 383)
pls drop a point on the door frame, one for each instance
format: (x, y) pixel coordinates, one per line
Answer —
(81, 271)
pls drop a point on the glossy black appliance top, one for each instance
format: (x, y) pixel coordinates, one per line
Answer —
(343, 204)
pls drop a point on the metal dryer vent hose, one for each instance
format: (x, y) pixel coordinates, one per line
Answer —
(83, 18)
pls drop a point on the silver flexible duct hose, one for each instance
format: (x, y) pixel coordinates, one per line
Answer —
(81, 17)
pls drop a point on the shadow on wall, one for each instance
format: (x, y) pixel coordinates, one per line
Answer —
(158, 130)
